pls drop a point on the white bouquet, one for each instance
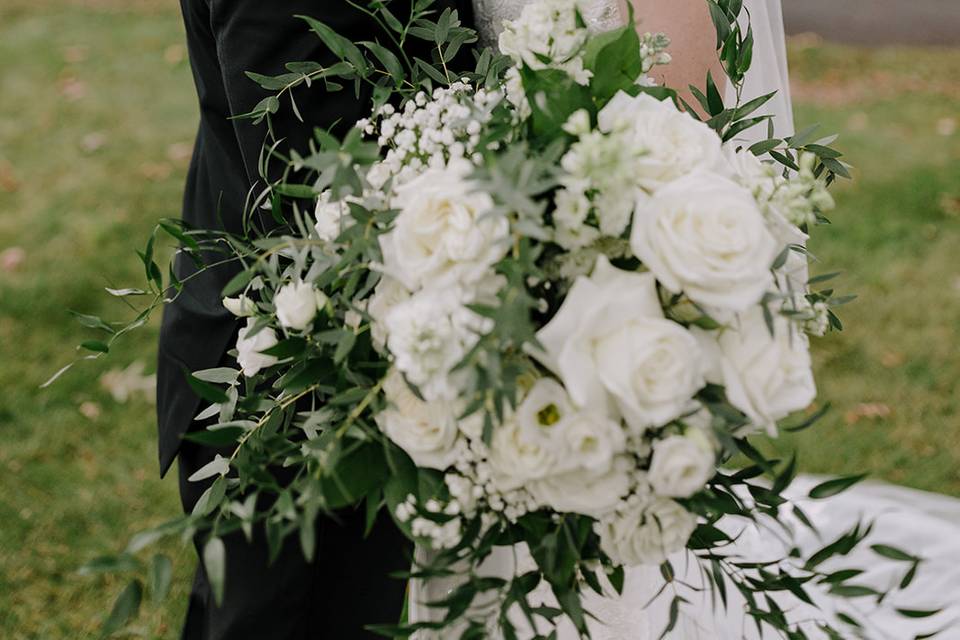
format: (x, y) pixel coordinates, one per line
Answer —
(541, 302)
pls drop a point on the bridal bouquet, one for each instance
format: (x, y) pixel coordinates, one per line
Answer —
(542, 302)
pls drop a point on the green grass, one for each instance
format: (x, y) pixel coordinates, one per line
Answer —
(82, 179)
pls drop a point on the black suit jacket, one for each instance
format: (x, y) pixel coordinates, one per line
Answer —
(226, 38)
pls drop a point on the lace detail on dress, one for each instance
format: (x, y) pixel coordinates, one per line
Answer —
(600, 15)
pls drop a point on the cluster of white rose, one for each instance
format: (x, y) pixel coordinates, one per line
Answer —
(611, 427)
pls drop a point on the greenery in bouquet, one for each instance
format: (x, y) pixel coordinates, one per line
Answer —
(541, 302)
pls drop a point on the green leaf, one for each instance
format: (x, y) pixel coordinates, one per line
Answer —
(218, 375)
(893, 553)
(109, 564)
(215, 565)
(161, 575)
(714, 100)
(92, 322)
(211, 498)
(205, 390)
(97, 346)
(387, 58)
(919, 613)
(614, 59)
(125, 608)
(215, 437)
(340, 46)
(835, 486)
(237, 283)
(361, 470)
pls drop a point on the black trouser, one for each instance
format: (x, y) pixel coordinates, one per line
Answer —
(346, 586)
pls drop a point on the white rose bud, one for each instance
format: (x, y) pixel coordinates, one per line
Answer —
(297, 304)
(241, 306)
(646, 534)
(682, 464)
(249, 355)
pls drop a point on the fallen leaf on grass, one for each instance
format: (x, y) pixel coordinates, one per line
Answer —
(8, 179)
(946, 127)
(11, 258)
(74, 53)
(72, 88)
(891, 359)
(90, 410)
(174, 54)
(93, 141)
(867, 411)
(179, 152)
(155, 171)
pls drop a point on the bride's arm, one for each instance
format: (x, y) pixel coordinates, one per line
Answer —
(693, 40)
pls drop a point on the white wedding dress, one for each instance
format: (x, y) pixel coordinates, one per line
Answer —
(924, 524)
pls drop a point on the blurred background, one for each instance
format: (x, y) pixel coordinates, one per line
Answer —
(97, 114)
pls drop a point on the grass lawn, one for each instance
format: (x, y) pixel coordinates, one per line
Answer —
(96, 118)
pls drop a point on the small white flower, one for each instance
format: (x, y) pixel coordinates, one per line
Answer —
(682, 464)
(646, 534)
(241, 306)
(297, 304)
(704, 235)
(249, 358)
(578, 123)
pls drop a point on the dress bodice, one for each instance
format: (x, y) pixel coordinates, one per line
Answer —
(600, 15)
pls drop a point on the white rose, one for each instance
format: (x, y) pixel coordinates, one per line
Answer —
(329, 216)
(672, 142)
(682, 464)
(248, 349)
(704, 235)
(584, 492)
(767, 377)
(427, 431)
(609, 340)
(241, 306)
(443, 232)
(297, 304)
(646, 534)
